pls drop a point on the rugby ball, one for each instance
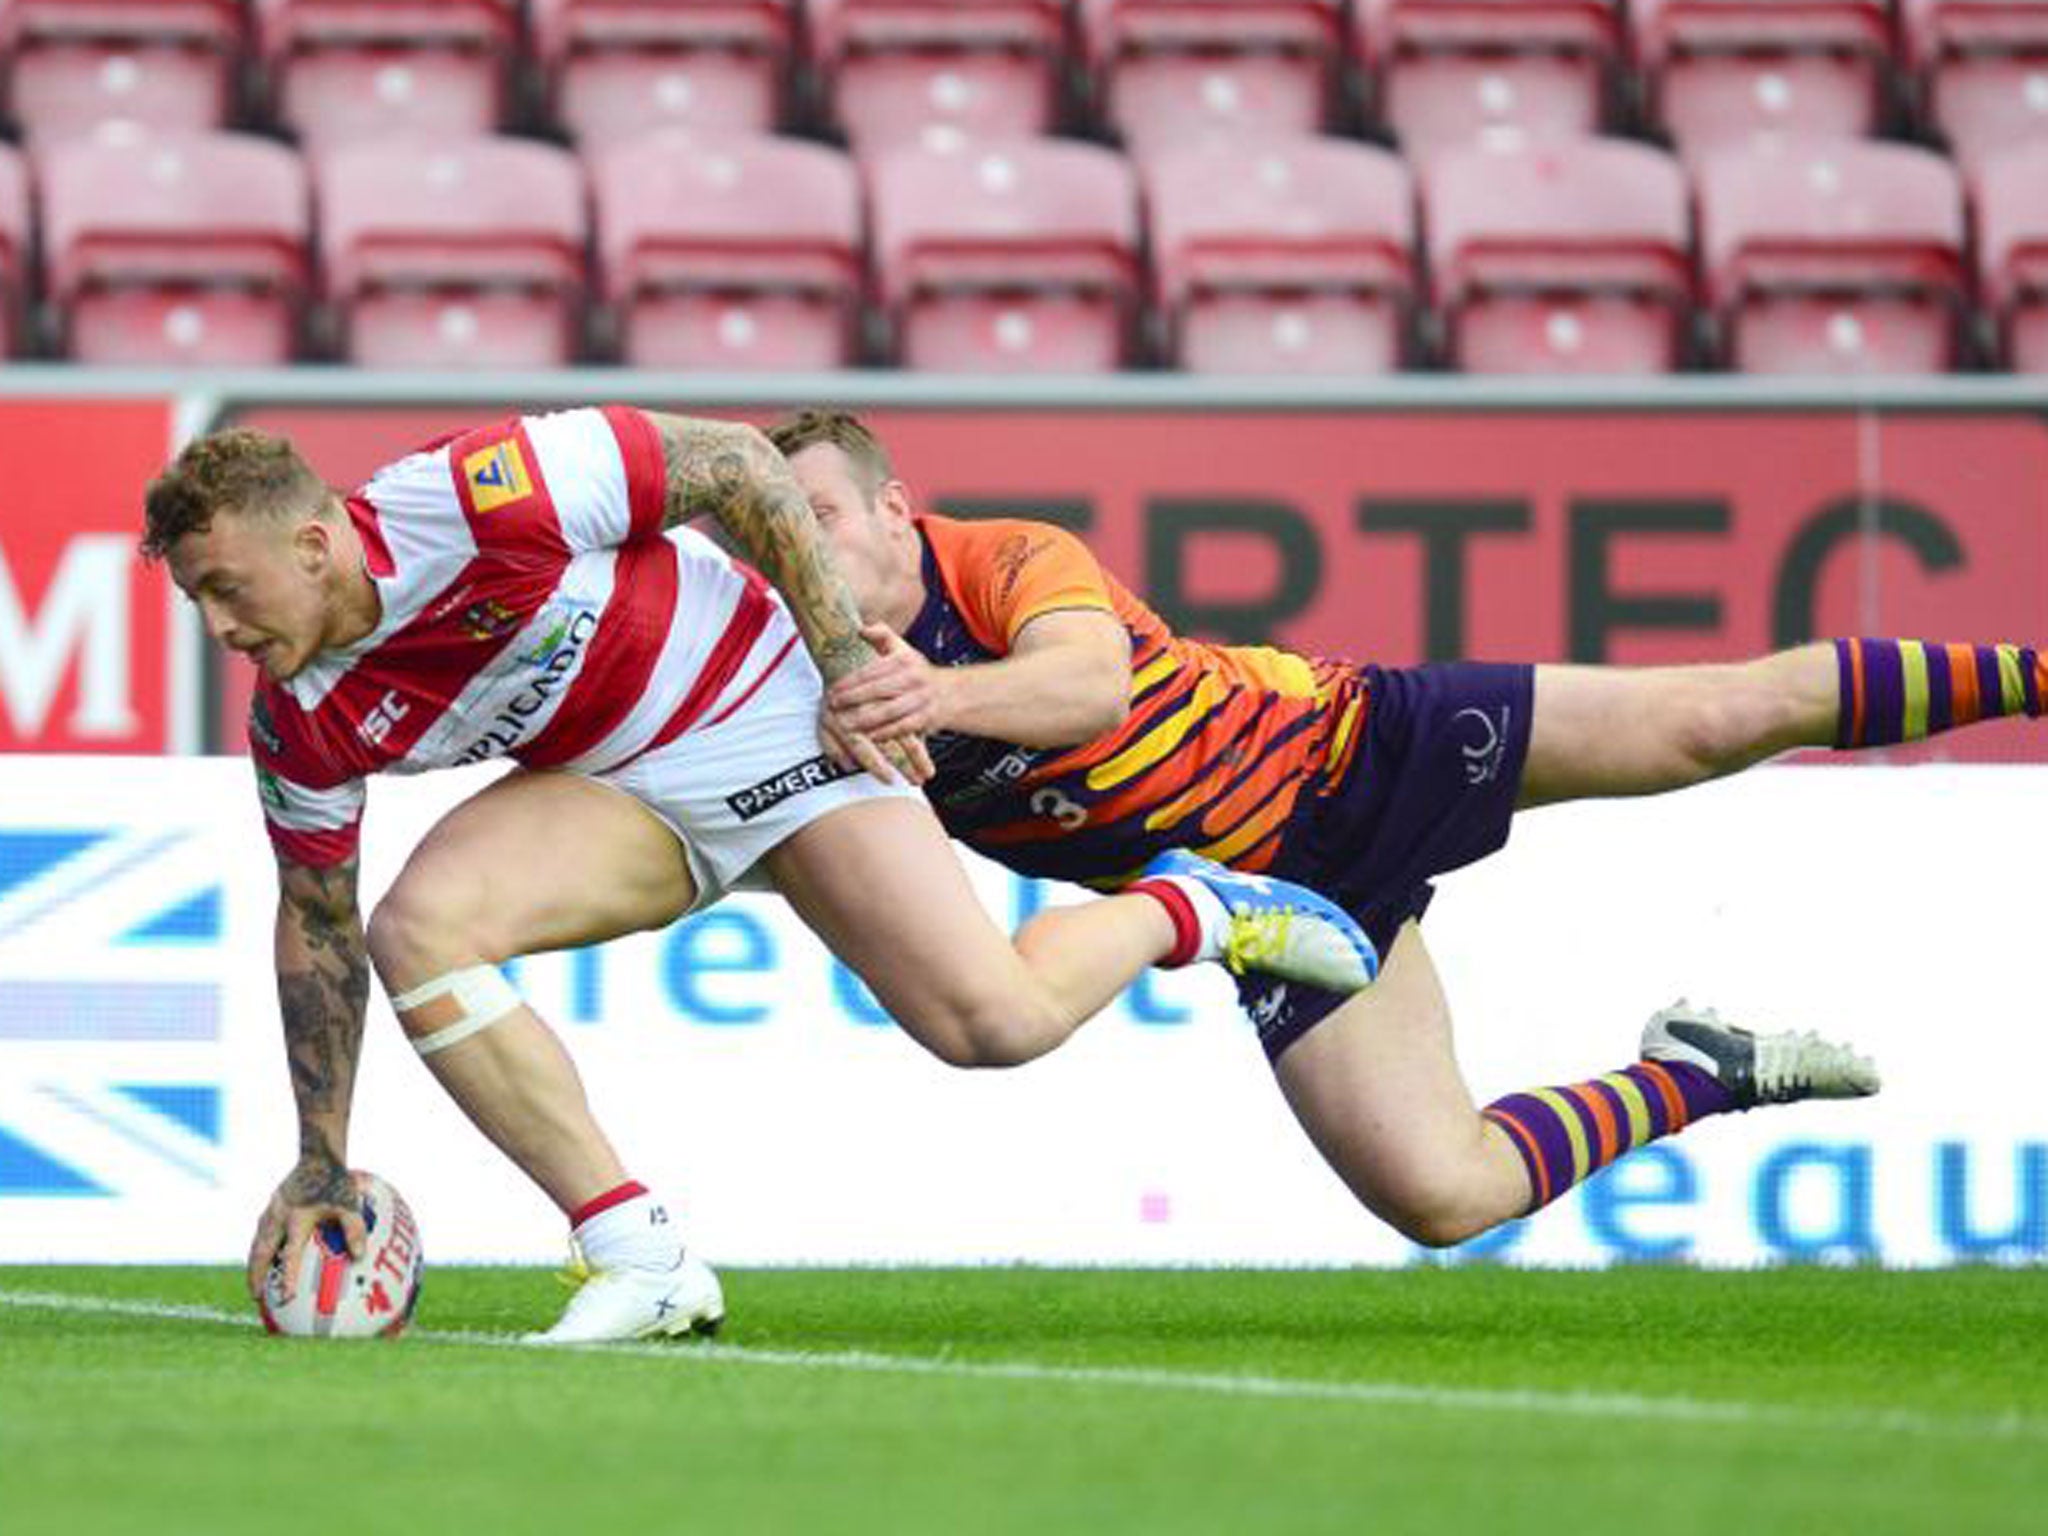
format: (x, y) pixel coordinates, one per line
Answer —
(343, 1298)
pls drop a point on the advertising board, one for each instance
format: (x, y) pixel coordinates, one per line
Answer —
(145, 1111)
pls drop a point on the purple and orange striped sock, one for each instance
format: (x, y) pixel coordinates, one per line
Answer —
(1567, 1134)
(1903, 690)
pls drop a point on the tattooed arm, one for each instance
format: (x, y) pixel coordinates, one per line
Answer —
(323, 985)
(730, 471)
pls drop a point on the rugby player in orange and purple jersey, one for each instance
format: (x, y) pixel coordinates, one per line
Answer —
(1075, 737)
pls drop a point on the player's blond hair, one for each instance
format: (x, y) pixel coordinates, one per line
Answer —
(240, 470)
(864, 452)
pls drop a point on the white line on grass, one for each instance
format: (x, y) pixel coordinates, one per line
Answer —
(1599, 1405)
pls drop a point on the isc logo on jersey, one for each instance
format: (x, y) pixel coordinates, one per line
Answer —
(497, 476)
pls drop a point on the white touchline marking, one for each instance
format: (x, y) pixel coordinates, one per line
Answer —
(58, 1301)
(1601, 1405)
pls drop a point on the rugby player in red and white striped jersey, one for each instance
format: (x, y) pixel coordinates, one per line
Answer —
(526, 591)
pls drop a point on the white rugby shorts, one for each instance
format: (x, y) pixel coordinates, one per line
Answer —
(735, 787)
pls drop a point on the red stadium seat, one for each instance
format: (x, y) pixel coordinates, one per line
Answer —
(729, 253)
(457, 254)
(937, 71)
(1282, 256)
(77, 64)
(618, 68)
(1170, 69)
(353, 69)
(1833, 256)
(1981, 68)
(183, 249)
(1014, 258)
(1455, 72)
(1563, 257)
(14, 239)
(1725, 71)
(2012, 252)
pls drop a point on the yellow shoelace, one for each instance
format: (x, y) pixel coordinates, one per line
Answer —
(1256, 937)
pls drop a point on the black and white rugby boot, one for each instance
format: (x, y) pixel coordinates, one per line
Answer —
(1756, 1068)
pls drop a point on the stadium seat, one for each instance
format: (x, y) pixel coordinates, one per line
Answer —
(729, 253)
(14, 247)
(446, 254)
(1725, 71)
(1014, 258)
(901, 72)
(1453, 72)
(2012, 252)
(352, 69)
(1288, 255)
(1563, 257)
(1833, 256)
(76, 64)
(1980, 68)
(183, 249)
(618, 68)
(1166, 70)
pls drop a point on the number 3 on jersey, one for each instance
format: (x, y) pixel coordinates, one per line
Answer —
(1050, 802)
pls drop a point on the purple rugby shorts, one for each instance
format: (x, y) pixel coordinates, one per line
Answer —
(1432, 788)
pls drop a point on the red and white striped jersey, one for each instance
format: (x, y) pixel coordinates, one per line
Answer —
(533, 608)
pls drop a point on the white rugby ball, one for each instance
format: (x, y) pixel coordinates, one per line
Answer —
(343, 1298)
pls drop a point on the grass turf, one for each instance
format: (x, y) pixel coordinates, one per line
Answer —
(998, 1400)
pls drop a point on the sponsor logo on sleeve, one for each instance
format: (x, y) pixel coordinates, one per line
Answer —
(262, 728)
(271, 790)
(497, 476)
(759, 799)
(1016, 552)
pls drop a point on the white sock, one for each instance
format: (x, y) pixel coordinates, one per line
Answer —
(634, 1234)
(1210, 913)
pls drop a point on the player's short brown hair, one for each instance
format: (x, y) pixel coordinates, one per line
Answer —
(239, 470)
(846, 432)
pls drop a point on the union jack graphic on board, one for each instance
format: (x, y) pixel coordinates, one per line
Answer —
(111, 950)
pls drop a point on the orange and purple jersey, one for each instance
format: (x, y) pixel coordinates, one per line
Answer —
(1221, 745)
(1362, 783)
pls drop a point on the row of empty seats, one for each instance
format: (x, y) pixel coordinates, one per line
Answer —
(1249, 256)
(1971, 74)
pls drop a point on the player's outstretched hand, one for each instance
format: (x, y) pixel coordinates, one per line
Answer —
(905, 757)
(316, 1191)
(879, 715)
(899, 693)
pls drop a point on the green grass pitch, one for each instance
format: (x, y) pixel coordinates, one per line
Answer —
(1448, 1400)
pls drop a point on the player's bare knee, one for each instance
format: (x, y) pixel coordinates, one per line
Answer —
(980, 1048)
(1442, 1226)
(980, 1033)
(413, 934)
(958, 1050)
(1727, 719)
(1437, 1212)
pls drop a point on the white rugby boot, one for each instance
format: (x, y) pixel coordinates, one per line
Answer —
(636, 1302)
(1758, 1069)
(1278, 928)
